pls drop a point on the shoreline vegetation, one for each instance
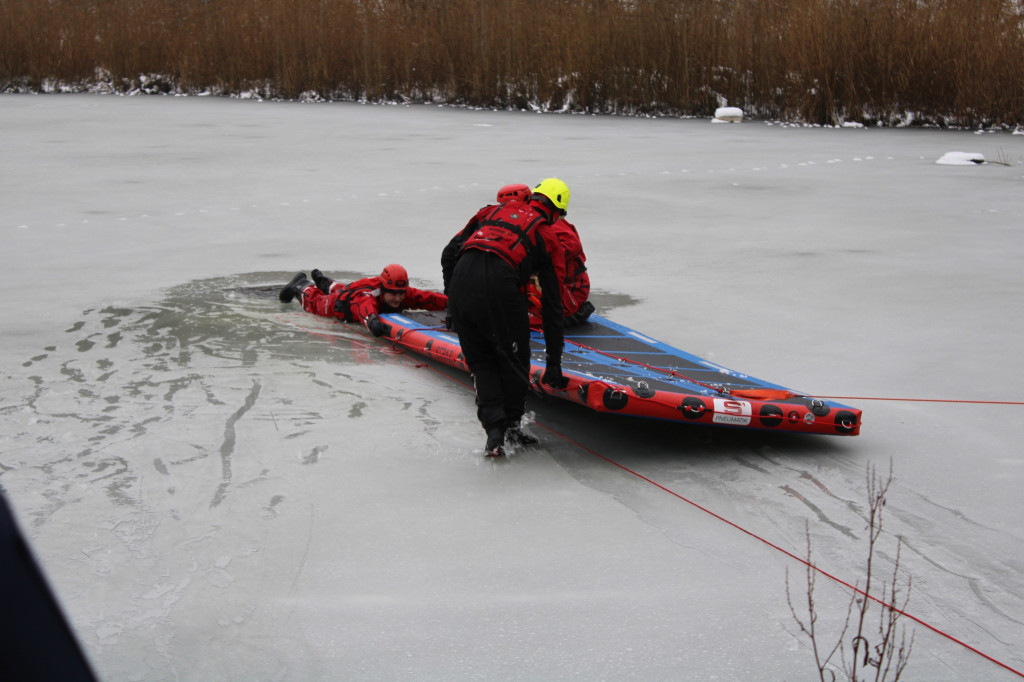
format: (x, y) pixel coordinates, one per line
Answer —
(949, 63)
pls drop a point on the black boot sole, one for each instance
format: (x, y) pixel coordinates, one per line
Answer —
(291, 290)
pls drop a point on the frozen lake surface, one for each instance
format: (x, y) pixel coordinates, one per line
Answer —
(223, 487)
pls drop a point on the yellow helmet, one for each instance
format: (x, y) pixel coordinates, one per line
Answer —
(556, 191)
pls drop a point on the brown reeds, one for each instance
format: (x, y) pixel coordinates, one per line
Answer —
(956, 62)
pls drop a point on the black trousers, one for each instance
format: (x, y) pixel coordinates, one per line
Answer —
(490, 314)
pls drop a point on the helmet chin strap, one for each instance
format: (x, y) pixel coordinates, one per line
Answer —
(549, 206)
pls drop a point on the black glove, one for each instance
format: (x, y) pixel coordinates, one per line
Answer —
(377, 326)
(448, 321)
(553, 376)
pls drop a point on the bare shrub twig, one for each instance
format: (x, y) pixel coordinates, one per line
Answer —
(872, 652)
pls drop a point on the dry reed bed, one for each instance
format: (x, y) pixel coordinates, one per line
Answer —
(957, 62)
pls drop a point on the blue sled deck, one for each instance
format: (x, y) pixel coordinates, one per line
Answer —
(612, 368)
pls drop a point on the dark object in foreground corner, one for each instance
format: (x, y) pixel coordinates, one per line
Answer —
(36, 641)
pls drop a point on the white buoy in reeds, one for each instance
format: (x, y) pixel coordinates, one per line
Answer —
(728, 115)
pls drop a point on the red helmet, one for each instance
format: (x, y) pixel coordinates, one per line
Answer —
(514, 193)
(394, 278)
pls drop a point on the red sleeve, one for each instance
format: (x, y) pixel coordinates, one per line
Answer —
(363, 304)
(555, 250)
(419, 299)
(570, 239)
(575, 288)
(569, 303)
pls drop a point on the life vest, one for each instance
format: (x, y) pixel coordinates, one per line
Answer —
(343, 304)
(508, 231)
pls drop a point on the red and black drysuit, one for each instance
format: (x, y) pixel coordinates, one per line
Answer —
(360, 300)
(486, 269)
(575, 281)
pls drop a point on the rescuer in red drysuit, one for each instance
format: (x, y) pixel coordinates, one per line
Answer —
(576, 282)
(361, 301)
(486, 268)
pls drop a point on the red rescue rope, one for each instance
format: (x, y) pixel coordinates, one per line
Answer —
(926, 400)
(757, 537)
(758, 393)
(791, 555)
(782, 394)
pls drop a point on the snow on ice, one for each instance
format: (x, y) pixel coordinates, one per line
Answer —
(222, 487)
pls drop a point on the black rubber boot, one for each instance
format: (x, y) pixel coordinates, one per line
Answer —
(581, 315)
(294, 288)
(495, 437)
(322, 281)
(516, 436)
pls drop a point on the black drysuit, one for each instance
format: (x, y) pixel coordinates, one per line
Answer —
(489, 311)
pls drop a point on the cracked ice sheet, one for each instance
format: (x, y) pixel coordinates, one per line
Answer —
(221, 487)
